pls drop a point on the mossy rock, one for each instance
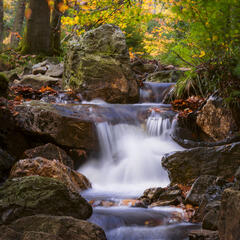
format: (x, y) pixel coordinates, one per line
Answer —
(98, 66)
(33, 195)
(47, 227)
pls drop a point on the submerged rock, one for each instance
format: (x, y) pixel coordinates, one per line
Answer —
(98, 66)
(185, 166)
(33, 195)
(50, 152)
(53, 169)
(44, 227)
(229, 221)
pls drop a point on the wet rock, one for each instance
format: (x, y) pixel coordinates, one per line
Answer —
(42, 227)
(162, 196)
(199, 188)
(50, 152)
(162, 203)
(52, 169)
(6, 163)
(229, 220)
(185, 166)
(152, 194)
(38, 81)
(216, 120)
(46, 120)
(98, 66)
(203, 235)
(33, 195)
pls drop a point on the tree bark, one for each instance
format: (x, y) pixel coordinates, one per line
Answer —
(38, 35)
(56, 27)
(1, 24)
(18, 22)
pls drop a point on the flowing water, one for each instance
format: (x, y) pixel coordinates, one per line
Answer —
(132, 139)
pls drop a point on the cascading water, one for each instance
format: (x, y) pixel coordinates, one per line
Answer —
(130, 162)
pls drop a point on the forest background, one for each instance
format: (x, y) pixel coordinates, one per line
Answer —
(202, 35)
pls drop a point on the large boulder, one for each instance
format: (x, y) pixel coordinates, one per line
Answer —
(216, 120)
(98, 66)
(53, 169)
(44, 227)
(185, 166)
(46, 120)
(229, 221)
(33, 195)
(50, 152)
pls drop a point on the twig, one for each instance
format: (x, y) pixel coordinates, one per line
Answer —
(182, 58)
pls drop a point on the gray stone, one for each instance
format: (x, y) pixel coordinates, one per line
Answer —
(38, 81)
(40, 70)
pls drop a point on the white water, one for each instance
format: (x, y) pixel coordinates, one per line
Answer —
(130, 160)
(129, 163)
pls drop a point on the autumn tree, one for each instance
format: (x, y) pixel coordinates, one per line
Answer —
(1, 23)
(18, 22)
(38, 36)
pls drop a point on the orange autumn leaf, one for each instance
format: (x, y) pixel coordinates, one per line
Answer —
(18, 98)
(46, 89)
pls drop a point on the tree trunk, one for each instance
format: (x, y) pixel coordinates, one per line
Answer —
(56, 27)
(1, 24)
(38, 35)
(18, 22)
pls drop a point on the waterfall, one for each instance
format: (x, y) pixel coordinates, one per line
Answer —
(157, 125)
(130, 157)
